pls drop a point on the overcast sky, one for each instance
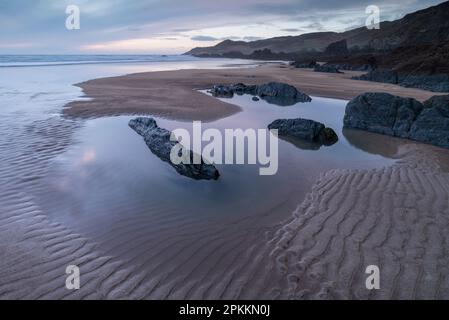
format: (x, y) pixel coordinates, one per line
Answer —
(172, 26)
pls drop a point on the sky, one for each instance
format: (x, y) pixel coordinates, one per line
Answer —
(172, 26)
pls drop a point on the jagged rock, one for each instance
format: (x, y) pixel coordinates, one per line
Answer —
(273, 92)
(432, 124)
(277, 92)
(327, 69)
(303, 65)
(435, 82)
(382, 113)
(222, 91)
(304, 129)
(158, 141)
(401, 117)
(350, 67)
(228, 91)
(385, 76)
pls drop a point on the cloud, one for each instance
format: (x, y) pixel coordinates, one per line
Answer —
(291, 30)
(203, 38)
(251, 38)
(41, 23)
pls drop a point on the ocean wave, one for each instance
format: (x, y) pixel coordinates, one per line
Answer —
(12, 61)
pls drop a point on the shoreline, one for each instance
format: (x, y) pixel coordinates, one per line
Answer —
(174, 95)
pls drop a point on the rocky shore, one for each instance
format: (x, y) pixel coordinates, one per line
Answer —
(436, 82)
(160, 144)
(273, 92)
(391, 115)
(305, 129)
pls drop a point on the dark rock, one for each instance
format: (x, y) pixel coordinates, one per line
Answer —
(435, 82)
(304, 65)
(274, 92)
(158, 141)
(228, 91)
(281, 93)
(255, 99)
(385, 76)
(350, 67)
(382, 113)
(401, 117)
(327, 69)
(432, 124)
(304, 129)
(222, 91)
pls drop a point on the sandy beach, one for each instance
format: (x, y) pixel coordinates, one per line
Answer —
(395, 217)
(173, 94)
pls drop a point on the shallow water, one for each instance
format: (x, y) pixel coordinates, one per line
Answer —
(99, 179)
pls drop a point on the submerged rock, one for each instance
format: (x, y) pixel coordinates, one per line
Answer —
(273, 92)
(304, 129)
(158, 141)
(401, 117)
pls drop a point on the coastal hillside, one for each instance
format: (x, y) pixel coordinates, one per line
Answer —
(428, 26)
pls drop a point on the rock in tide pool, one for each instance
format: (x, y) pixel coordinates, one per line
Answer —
(401, 117)
(432, 124)
(158, 141)
(228, 91)
(273, 92)
(280, 93)
(304, 129)
(382, 113)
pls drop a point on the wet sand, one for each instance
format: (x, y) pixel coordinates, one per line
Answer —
(172, 94)
(395, 217)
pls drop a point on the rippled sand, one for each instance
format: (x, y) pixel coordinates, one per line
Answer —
(395, 217)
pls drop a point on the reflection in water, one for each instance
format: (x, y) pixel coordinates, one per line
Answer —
(389, 147)
(289, 96)
(302, 144)
(374, 143)
(105, 184)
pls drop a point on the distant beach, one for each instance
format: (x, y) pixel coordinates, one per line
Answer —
(173, 94)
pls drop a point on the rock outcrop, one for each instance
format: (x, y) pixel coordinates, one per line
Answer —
(401, 117)
(272, 92)
(431, 82)
(385, 76)
(158, 141)
(304, 129)
(327, 69)
(278, 93)
(432, 124)
(304, 65)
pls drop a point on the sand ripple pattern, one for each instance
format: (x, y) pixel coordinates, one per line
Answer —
(35, 251)
(198, 260)
(396, 218)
